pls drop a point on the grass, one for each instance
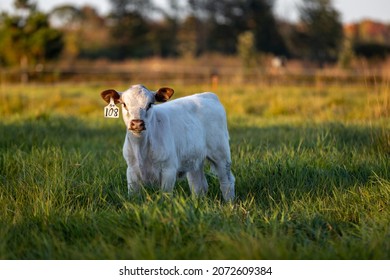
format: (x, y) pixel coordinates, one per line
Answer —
(312, 179)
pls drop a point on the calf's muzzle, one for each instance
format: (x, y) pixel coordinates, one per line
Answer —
(137, 125)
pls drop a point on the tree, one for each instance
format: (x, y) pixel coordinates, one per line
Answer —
(188, 37)
(223, 21)
(28, 39)
(130, 28)
(346, 55)
(25, 5)
(66, 17)
(86, 33)
(164, 32)
(69, 20)
(246, 49)
(322, 30)
(121, 8)
(261, 20)
(163, 37)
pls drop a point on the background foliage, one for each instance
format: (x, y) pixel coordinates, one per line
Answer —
(138, 29)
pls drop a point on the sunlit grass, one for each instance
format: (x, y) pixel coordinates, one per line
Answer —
(311, 165)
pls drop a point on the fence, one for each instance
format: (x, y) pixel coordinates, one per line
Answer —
(196, 75)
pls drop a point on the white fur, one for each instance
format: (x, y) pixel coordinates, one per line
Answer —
(180, 135)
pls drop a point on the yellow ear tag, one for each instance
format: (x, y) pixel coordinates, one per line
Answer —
(111, 110)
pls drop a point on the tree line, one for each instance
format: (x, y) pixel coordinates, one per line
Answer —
(140, 28)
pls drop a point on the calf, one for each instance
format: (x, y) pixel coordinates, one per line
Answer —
(168, 140)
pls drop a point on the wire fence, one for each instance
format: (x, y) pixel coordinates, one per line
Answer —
(197, 75)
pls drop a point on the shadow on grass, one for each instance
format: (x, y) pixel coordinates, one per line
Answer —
(68, 133)
(283, 161)
(268, 161)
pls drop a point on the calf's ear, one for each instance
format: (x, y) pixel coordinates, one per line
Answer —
(163, 94)
(107, 94)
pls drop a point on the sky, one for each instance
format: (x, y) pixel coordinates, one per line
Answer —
(351, 10)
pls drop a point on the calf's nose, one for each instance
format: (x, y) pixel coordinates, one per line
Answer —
(137, 125)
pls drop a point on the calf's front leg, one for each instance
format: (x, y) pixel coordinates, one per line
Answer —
(167, 179)
(133, 184)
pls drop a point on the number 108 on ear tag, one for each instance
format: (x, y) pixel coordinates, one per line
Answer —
(111, 110)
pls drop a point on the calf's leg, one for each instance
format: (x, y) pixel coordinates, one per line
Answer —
(168, 179)
(226, 179)
(197, 181)
(133, 185)
(220, 160)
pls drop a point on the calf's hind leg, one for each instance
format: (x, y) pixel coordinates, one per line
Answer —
(222, 168)
(197, 181)
(226, 179)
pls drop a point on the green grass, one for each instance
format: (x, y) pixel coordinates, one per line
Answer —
(312, 179)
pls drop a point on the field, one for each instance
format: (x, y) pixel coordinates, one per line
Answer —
(312, 167)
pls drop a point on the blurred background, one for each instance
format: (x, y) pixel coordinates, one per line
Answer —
(195, 41)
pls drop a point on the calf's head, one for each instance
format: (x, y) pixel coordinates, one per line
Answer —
(137, 104)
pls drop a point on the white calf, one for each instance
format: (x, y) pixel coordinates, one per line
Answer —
(175, 138)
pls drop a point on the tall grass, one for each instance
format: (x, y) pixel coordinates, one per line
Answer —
(312, 179)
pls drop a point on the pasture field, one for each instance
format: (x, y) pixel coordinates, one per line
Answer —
(312, 167)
